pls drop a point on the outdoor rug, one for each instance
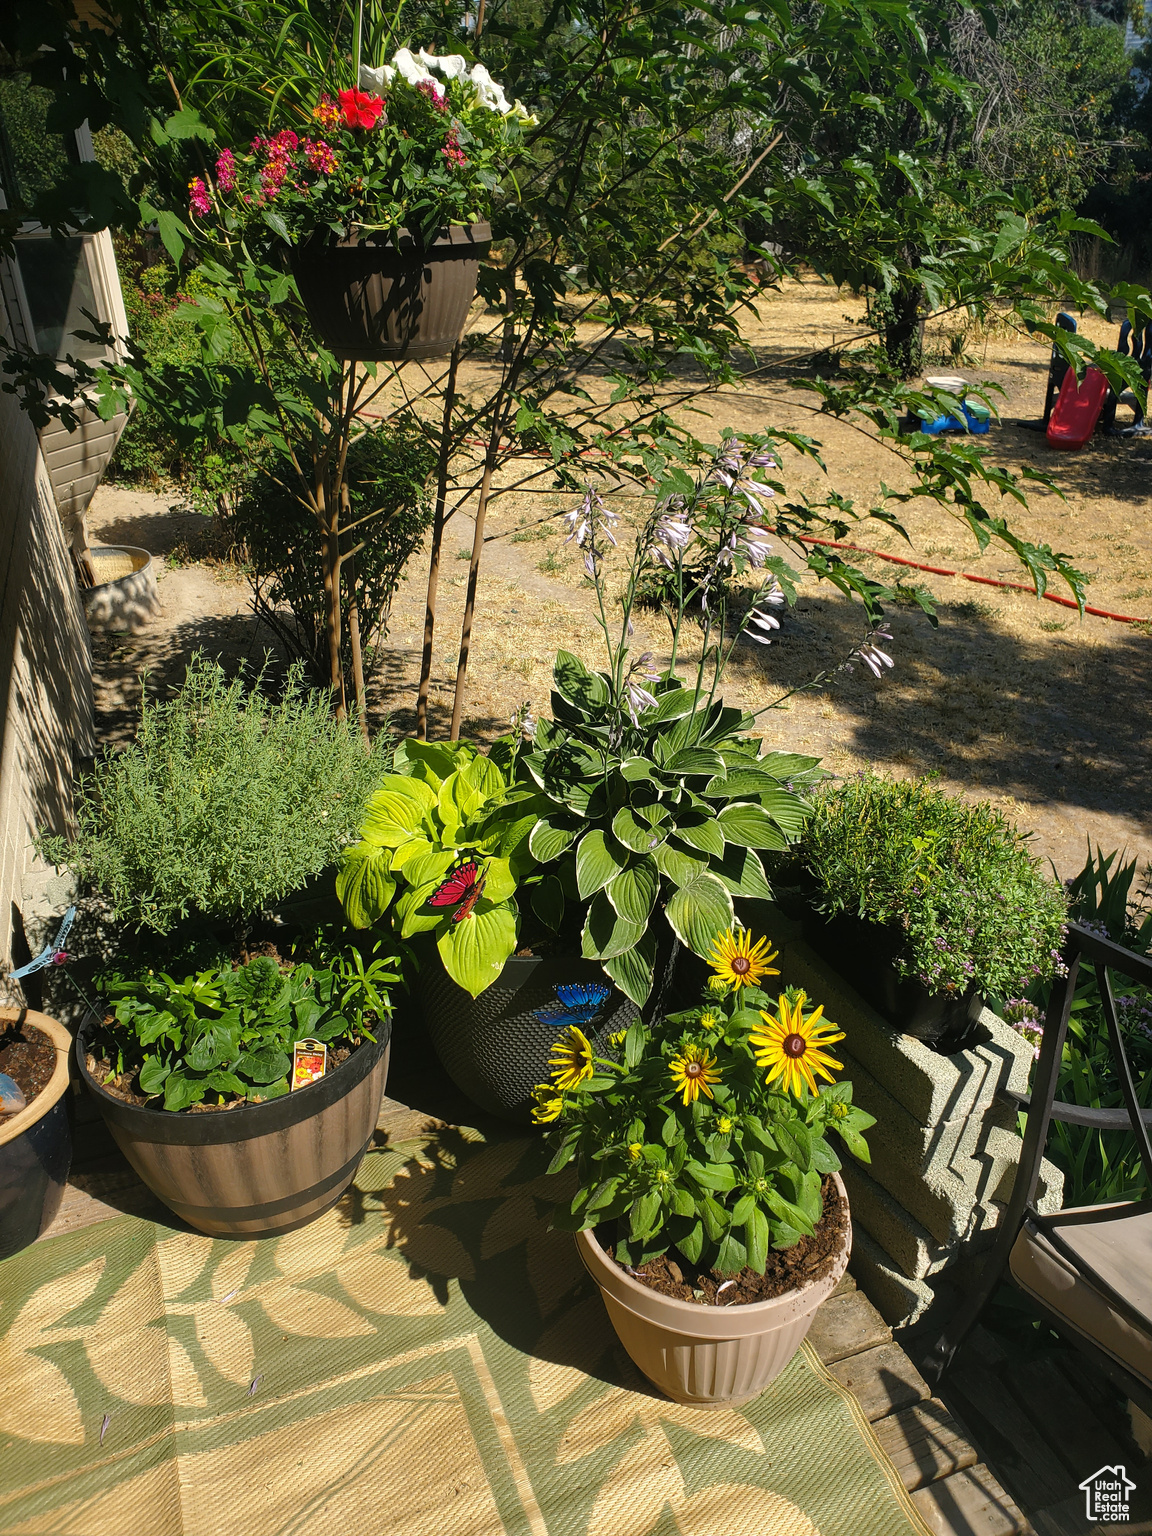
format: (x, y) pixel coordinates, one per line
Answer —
(425, 1358)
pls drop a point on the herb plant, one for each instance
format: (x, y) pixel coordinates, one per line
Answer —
(227, 1033)
(708, 1130)
(975, 908)
(444, 807)
(223, 804)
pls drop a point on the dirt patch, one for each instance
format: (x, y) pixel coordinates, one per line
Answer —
(1012, 699)
(788, 1268)
(28, 1057)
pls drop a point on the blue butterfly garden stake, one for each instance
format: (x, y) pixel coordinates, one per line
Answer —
(579, 1003)
(51, 954)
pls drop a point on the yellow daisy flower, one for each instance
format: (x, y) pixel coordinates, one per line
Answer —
(791, 1047)
(616, 1040)
(723, 1124)
(709, 1019)
(739, 962)
(571, 1060)
(692, 1072)
(634, 1149)
(548, 1104)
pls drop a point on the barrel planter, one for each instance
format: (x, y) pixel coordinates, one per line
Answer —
(391, 299)
(707, 1356)
(865, 953)
(262, 1169)
(35, 1145)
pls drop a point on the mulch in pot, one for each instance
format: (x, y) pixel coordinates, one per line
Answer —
(788, 1268)
(28, 1058)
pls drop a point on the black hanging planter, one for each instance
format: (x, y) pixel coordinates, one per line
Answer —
(391, 299)
(865, 954)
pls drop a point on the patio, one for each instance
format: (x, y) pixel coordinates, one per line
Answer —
(1034, 1426)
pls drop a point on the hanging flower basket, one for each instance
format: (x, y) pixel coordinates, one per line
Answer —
(393, 299)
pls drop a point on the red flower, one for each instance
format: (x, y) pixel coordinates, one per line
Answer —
(360, 110)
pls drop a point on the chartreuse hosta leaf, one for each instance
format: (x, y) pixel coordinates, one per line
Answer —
(699, 911)
(393, 817)
(432, 761)
(475, 951)
(364, 885)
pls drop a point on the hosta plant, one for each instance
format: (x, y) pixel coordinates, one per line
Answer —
(443, 846)
(226, 1034)
(710, 1130)
(655, 800)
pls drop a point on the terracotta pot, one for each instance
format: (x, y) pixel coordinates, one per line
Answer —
(35, 1146)
(391, 300)
(865, 953)
(260, 1170)
(708, 1357)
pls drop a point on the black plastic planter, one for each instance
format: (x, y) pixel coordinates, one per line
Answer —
(35, 1146)
(391, 300)
(865, 953)
(262, 1169)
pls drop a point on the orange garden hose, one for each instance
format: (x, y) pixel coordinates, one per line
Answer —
(987, 581)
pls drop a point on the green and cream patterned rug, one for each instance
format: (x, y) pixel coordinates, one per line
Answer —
(427, 1357)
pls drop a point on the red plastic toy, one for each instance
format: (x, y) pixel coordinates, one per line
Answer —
(1077, 410)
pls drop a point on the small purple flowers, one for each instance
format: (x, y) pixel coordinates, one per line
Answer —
(637, 698)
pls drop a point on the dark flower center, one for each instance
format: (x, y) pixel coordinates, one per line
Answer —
(693, 1069)
(795, 1045)
(741, 964)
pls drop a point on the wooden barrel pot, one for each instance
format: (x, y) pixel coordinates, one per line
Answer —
(394, 299)
(35, 1145)
(260, 1170)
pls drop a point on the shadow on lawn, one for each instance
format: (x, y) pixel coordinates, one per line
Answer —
(1046, 716)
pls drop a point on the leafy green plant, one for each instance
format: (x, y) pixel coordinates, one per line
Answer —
(708, 1132)
(389, 512)
(1099, 1165)
(227, 1033)
(444, 806)
(222, 805)
(974, 907)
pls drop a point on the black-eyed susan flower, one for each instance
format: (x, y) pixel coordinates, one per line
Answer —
(693, 1070)
(723, 1124)
(547, 1104)
(790, 1047)
(710, 1019)
(634, 1149)
(571, 1059)
(740, 963)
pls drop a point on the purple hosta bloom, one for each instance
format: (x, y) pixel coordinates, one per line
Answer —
(670, 537)
(761, 624)
(754, 545)
(763, 459)
(871, 654)
(588, 519)
(637, 698)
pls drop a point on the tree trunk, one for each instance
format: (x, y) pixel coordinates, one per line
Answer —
(330, 552)
(470, 600)
(348, 565)
(434, 556)
(904, 330)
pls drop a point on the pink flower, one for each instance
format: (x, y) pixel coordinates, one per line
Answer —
(225, 170)
(433, 91)
(199, 202)
(452, 151)
(327, 113)
(321, 156)
(285, 142)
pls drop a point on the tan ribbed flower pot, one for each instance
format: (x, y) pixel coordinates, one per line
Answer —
(708, 1357)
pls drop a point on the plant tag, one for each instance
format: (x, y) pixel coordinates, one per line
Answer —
(309, 1060)
(12, 1101)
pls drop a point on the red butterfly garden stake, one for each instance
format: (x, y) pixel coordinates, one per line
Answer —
(464, 885)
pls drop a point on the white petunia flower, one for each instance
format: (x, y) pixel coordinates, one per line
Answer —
(453, 66)
(409, 66)
(376, 80)
(488, 91)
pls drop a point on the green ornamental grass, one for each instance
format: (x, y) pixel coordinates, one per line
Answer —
(974, 906)
(224, 804)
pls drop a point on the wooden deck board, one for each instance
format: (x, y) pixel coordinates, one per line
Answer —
(847, 1325)
(925, 1443)
(883, 1380)
(970, 1503)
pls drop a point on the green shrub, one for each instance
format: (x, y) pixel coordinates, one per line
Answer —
(387, 469)
(974, 905)
(224, 804)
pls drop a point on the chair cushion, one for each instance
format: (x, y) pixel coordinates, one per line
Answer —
(1119, 1249)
